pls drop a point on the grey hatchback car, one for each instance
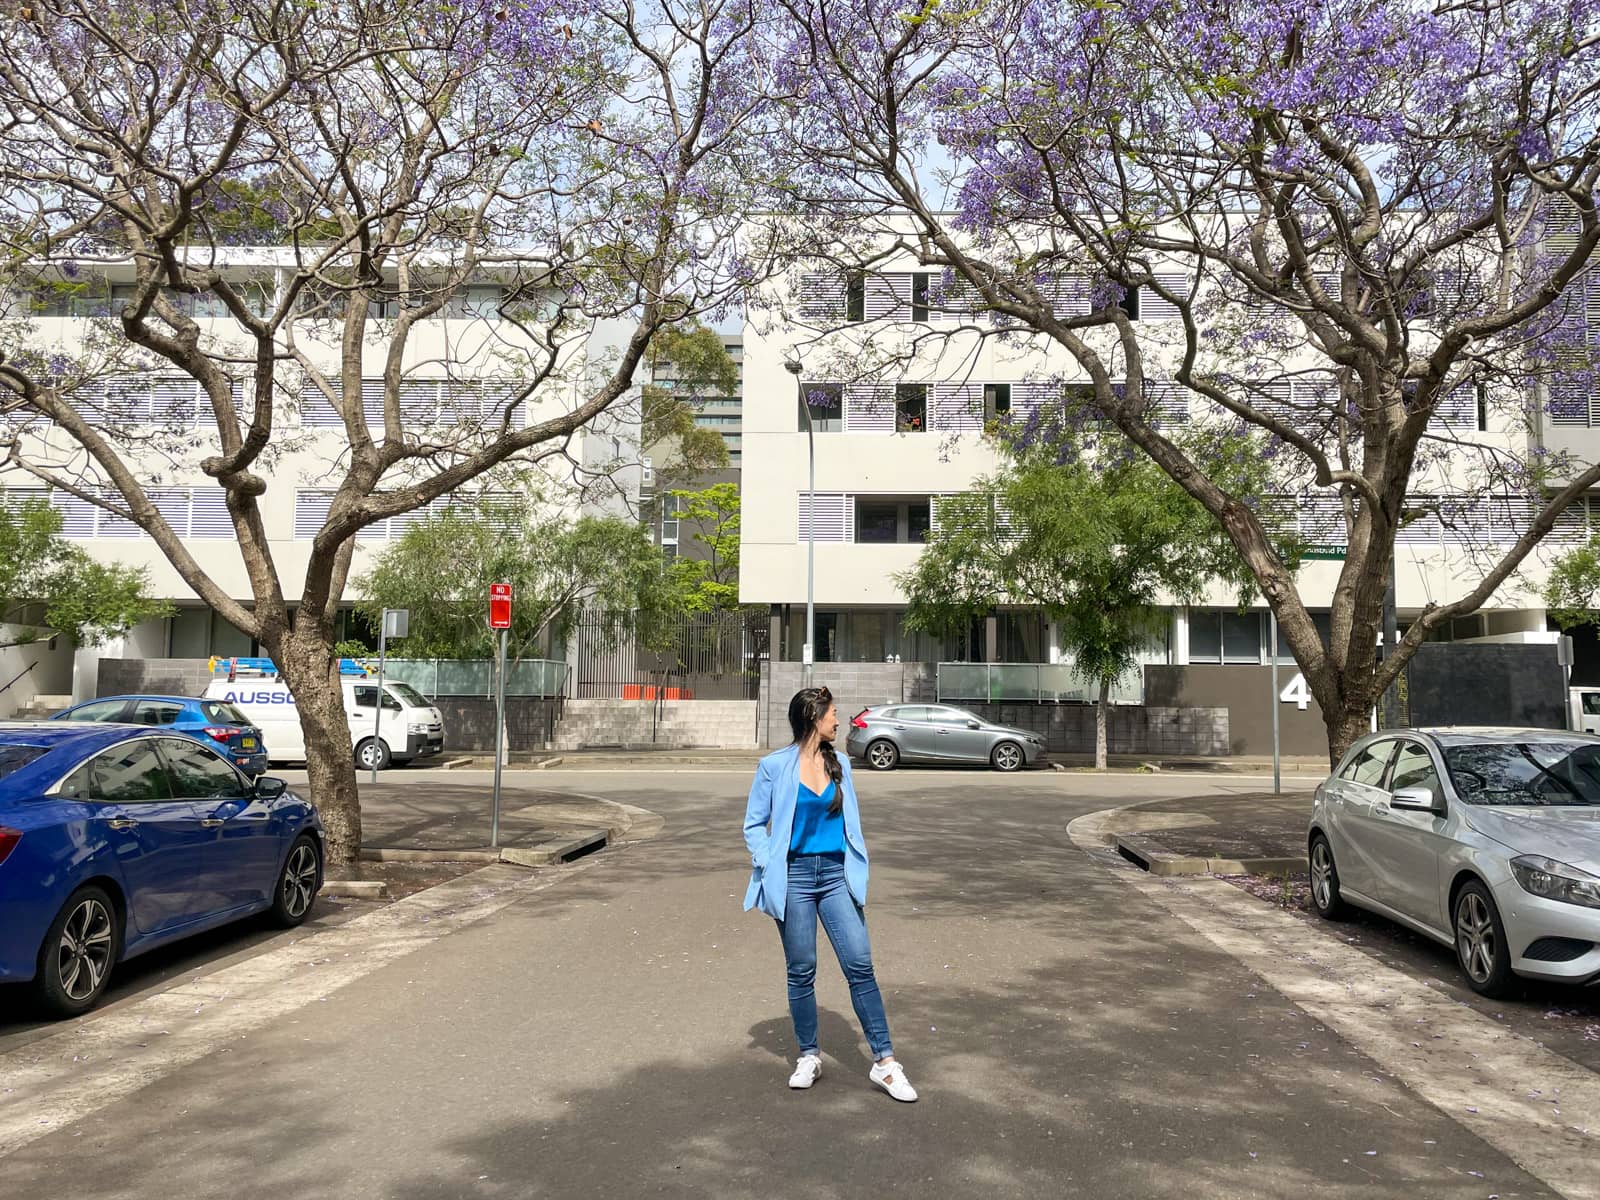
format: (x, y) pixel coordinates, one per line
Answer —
(1486, 840)
(885, 737)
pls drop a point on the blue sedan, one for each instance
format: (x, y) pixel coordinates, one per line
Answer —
(219, 724)
(115, 839)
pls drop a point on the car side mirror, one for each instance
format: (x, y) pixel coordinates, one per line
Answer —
(974, 724)
(1420, 798)
(270, 787)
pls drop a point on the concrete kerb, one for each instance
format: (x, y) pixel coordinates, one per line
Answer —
(1096, 833)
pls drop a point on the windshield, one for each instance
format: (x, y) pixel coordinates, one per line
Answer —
(13, 758)
(1526, 773)
(407, 693)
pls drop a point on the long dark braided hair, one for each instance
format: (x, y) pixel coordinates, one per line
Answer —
(809, 706)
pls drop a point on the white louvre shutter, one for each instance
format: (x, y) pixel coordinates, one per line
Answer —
(956, 407)
(1423, 529)
(315, 409)
(825, 517)
(1322, 521)
(1153, 307)
(1561, 226)
(1069, 293)
(1028, 398)
(173, 400)
(108, 524)
(208, 514)
(888, 295)
(311, 507)
(822, 295)
(419, 402)
(77, 516)
(1167, 401)
(956, 301)
(173, 505)
(1458, 408)
(869, 408)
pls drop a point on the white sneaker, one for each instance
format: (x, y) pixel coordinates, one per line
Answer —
(806, 1072)
(891, 1077)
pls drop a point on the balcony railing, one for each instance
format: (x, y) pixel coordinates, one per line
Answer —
(1032, 682)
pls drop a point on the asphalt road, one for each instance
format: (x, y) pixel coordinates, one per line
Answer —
(624, 1032)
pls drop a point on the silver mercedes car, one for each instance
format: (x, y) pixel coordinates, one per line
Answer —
(1487, 840)
(884, 737)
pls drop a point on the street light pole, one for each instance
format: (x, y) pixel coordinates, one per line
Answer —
(808, 652)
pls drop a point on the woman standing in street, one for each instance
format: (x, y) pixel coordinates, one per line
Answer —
(804, 833)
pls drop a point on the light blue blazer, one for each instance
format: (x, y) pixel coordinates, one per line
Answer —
(769, 828)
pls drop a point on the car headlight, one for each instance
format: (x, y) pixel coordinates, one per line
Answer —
(417, 727)
(1551, 880)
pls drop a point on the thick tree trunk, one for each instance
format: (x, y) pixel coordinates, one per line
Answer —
(312, 672)
(1344, 728)
(1100, 725)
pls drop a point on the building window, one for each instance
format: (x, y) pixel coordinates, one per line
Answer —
(1241, 637)
(921, 281)
(1130, 303)
(911, 407)
(855, 297)
(824, 403)
(893, 520)
(996, 401)
(670, 507)
(1481, 391)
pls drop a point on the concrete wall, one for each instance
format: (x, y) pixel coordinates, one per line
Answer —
(854, 687)
(469, 722)
(1069, 728)
(165, 676)
(1486, 683)
(1130, 728)
(32, 670)
(1246, 693)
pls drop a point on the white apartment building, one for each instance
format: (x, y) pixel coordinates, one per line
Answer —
(890, 445)
(460, 369)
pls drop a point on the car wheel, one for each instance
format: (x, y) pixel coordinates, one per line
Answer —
(78, 953)
(1007, 756)
(298, 882)
(882, 755)
(373, 753)
(1481, 941)
(1325, 895)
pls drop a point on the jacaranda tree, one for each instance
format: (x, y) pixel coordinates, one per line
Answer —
(1356, 233)
(293, 210)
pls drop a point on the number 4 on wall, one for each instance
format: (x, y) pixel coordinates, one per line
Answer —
(1296, 693)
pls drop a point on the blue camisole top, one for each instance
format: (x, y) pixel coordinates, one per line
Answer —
(816, 830)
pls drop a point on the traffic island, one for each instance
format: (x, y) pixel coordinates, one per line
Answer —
(1257, 834)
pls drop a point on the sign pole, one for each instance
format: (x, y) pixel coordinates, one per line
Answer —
(499, 619)
(377, 716)
(499, 738)
(1277, 762)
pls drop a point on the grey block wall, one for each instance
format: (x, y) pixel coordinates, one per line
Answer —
(160, 676)
(1068, 728)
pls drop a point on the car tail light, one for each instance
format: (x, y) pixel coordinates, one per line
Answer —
(856, 722)
(220, 732)
(8, 841)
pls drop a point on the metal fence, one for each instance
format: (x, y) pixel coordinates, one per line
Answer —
(707, 656)
(1033, 682)
(475, 677)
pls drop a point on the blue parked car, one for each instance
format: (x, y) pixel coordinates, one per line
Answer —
(116, 839)
(219, 724)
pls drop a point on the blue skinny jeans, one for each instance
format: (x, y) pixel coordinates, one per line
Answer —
(817, 889)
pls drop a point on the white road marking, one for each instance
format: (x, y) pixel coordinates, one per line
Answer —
(1536, 1107)
(55, 1081)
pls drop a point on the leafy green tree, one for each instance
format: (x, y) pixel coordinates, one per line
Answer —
(709, 582)
(700, 368)
(44, 576)
(1099, 537)
(441, 569)
(1572, 593)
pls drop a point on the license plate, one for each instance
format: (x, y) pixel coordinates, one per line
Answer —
(248, 743)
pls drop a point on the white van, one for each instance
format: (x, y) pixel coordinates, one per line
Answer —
(411, 727)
